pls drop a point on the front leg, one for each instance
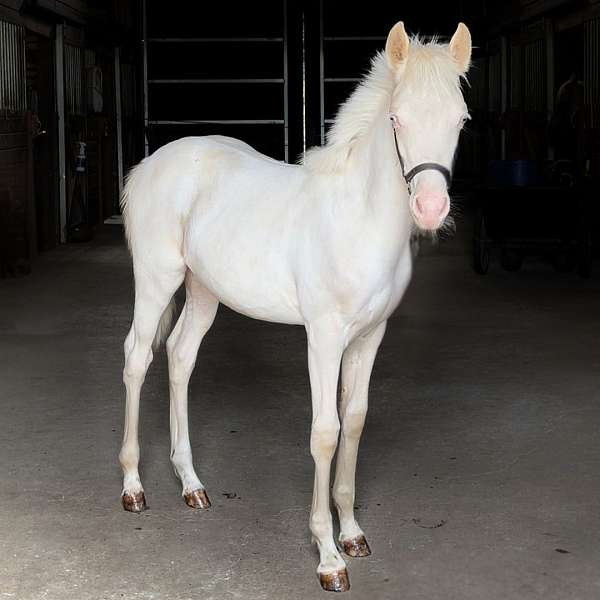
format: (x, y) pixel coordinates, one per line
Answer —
(325, 348)
(356, 373)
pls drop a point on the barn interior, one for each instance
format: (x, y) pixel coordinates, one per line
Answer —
(478, 472)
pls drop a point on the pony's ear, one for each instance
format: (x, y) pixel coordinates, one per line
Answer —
(460, 47)
(396, 47)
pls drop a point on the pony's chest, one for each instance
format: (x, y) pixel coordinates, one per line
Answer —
(369, 306)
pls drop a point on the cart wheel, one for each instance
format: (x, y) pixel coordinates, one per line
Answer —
(511, 260)
(481, 246)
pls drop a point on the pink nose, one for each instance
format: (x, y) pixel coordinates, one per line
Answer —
(430, 209)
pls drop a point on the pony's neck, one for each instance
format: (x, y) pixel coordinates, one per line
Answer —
(355, 121)
(375, 163)
(360, 148)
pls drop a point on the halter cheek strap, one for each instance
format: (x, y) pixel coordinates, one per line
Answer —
(428, 166)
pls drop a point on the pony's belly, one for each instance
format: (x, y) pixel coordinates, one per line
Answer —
(251, 292)
(262, 309)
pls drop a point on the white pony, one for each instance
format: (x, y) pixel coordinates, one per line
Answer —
(324, 244)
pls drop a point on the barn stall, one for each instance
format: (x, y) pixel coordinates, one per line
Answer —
(477, 471)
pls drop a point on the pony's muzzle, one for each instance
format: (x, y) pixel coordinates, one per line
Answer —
(430, 209)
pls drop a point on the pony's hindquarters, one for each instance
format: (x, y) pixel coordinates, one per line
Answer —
(154, 238)
(157, 201)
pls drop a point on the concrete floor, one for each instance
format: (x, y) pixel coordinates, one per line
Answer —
(479, 473)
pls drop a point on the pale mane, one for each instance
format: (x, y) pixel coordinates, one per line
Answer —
(429, 67)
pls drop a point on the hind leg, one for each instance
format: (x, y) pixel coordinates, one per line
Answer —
(182, 347)
(152, 295)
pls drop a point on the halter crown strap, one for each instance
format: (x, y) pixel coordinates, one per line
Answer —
(428, 166)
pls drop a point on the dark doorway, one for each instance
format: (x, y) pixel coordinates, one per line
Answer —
(40, 88)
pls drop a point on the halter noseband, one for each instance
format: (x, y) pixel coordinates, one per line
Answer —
(428, 166)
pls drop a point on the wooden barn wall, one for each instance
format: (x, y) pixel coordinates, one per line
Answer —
(14, 152)
(41, 104)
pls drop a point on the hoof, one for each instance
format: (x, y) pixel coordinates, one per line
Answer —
(335, 582)
(356, 547)
(134, 502)
(197, 499)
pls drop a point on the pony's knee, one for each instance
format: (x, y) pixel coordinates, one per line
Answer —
(181, 364)
(324, 439)
(137, 361)
(353, 423)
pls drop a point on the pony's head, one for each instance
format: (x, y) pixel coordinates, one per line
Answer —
(427, 112)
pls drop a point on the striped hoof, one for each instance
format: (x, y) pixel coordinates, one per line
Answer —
(335, 582)
(134, 502)
(356, 547)
(197, 499)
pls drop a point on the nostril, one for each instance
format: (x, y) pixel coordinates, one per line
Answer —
(419, 206)
(434, 205)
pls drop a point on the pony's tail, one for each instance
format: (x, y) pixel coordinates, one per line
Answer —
(127, 200)
(164, 325)
(134, 191)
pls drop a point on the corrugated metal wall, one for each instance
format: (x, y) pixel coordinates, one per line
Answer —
(475, 92)
(12, 67)
(74, 80)
(534, 76)
(495, 82)
(515, 75)
(591, 72)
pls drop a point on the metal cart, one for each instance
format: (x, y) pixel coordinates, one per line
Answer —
(532, 208)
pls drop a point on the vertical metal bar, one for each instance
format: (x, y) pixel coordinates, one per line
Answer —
(6, 69)
(590, 78)
(321, 74)
(145, 75)
(77, 79)
(2, 66)
(303, 85)
(66, 75)
(285, 84)
(60, 110)
(10, 69)
(23, 70)
(18, 76)
(80, 75)
(13, 73)
(118, 112)
(11, 62)
(504, 91)
(596, 89)
(8, 72)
